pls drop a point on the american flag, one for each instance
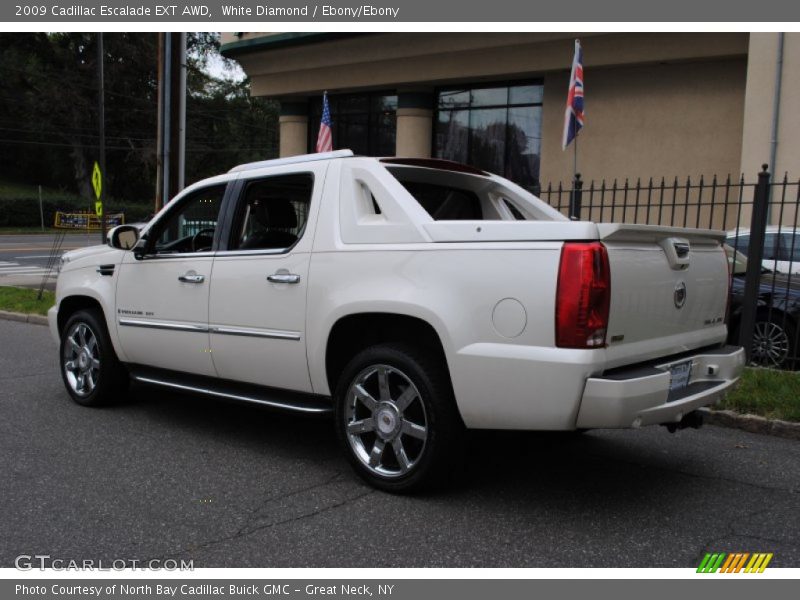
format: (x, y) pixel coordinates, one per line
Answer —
(573, 116)
(325, 137)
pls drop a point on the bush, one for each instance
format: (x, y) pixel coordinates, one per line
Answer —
(20, 211)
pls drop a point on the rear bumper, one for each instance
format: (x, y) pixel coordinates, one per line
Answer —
(641, 395)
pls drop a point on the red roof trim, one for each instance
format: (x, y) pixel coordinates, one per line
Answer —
(435, 163)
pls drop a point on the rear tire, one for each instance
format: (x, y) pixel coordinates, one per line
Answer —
(90, 368)
(396, 418)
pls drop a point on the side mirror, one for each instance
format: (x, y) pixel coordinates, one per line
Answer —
(123, 237)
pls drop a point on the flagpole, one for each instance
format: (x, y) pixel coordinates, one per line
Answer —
(575, 158)
(573, 122)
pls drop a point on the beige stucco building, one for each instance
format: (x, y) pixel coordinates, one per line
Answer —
(657, 104)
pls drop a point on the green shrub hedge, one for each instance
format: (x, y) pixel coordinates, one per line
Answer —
(23, 211)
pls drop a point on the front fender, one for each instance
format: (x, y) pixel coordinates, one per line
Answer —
(87, 282)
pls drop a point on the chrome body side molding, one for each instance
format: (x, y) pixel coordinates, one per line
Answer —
(196, 327)
(274, 334)
(261, 333)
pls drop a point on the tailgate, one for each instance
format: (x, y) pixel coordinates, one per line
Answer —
(669, 289)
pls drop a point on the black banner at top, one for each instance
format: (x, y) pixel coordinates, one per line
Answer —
(396, 11)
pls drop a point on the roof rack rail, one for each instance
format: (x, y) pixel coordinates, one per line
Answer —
(291, 160)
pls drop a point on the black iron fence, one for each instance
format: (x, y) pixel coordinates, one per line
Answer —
(761, 220)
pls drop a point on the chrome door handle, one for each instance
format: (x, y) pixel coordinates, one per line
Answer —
(283, 278)
(191, 278)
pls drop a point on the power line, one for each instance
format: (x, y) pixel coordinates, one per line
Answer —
(69, 79)
(65, 145)
(129, 149)
(76, 132)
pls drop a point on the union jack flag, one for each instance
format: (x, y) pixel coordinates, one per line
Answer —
(573, 116)
(325, 137)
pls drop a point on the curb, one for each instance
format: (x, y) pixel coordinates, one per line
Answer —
(23, 318)
(752, 423)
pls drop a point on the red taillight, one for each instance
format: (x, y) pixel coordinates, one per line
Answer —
(583, 296)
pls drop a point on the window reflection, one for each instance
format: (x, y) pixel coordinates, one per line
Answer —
(493, 128)
(365, 123)
(452, 131)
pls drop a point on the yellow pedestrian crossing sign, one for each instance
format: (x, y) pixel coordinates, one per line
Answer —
(97, 184)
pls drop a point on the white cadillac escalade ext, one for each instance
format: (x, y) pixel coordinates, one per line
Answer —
(412, 298)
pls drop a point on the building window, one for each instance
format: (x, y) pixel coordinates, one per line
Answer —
(365, 123)
(498, 129)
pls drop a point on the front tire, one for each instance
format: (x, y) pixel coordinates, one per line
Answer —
(90, 368)
(396, 418)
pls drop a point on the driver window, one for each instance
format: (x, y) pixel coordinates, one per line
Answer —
(273, 212)
(191, 227)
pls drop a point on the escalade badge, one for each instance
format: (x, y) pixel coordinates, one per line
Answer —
(680, 295)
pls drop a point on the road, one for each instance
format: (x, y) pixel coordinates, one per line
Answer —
(23, 258)
(164, 475)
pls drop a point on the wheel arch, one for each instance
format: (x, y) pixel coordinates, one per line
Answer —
(763, 312)
(353, 332)
(72, 304)
(775, 311)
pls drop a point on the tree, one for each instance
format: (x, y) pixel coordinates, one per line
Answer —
(48, 113)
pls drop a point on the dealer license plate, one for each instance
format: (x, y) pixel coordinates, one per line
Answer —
(679, 375)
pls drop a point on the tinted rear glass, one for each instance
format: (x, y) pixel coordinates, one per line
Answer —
(444, 203)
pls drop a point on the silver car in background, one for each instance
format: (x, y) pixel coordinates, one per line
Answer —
(781, 247)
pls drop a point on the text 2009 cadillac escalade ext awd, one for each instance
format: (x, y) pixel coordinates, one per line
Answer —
(412, 298)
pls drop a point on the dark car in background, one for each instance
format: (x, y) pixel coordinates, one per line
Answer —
(775, 339)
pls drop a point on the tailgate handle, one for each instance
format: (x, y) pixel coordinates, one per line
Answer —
(678, 252)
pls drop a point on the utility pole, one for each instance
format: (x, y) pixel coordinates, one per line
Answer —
(158, 200)
(182, 113)
(171, 116)
(102, 118)
(166, 123)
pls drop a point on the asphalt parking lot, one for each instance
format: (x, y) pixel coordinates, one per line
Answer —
(164, 475)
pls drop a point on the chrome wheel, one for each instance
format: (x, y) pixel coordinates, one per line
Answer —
(81, 359)
(770, 344)
(386, 422)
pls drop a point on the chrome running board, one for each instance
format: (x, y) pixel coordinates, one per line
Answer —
(285, 400)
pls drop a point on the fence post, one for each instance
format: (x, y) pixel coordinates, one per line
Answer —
(755, 254)
(575, 198)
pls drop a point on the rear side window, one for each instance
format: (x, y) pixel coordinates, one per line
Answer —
(742, 244)
(444, 203)
(770, 243)
(273, 212)
(790, 247)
